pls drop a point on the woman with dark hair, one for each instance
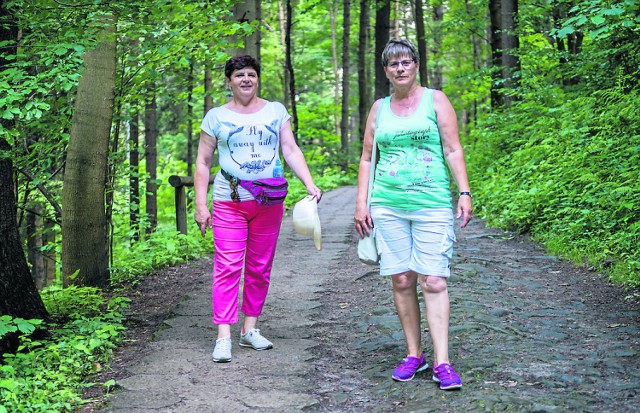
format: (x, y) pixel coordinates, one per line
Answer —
(249, 133)
(416, 133)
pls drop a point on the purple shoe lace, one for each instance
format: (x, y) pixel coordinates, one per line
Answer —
(446, 376)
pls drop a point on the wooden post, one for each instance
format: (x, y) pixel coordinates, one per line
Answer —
(179, 182)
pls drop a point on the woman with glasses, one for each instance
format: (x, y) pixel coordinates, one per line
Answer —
(416, 133)
(249, 133)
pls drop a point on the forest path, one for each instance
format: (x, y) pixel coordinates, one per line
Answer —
(529, 333)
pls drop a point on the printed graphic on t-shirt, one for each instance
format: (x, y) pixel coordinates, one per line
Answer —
(252, 147)
(409, 160)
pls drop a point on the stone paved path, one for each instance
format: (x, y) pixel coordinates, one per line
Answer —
(529, 333)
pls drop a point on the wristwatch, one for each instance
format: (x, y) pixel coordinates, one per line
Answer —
(466, 193)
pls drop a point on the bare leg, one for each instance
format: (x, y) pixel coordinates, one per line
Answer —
(436, 297)
(249, 323)
(405, 298)
(224, 330)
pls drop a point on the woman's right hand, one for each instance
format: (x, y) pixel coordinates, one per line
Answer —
(363, 221)
(203, 219)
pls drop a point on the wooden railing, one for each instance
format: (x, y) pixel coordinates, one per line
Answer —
(179, 183)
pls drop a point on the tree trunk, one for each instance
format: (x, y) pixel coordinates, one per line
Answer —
(422, 43)
(84, 221)
(208, 88)
(283, 44)
(363, 78)
(438, 17)
(383, 18)
(18, 293)
(495, 15)
(249, 11)
(36, 259)
(289, 68)
(344, 120)
(134, 175)
(333, 12)
(151, 158)
(190, 159)
(511, 45)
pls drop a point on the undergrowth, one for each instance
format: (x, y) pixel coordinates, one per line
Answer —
(48, 375)
(567, 175)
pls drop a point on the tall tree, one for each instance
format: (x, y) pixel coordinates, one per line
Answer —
(511, 46)
(282, 23)
(18, 294)
(383, 19)
(363, 78)
(84, 222)
(438, 17)
(495, 16)
(289, 68)
(422, 43)
(250, 11)
(134, 174)
(151, 157)
(190, 81)
(333, 18)
(346, 43)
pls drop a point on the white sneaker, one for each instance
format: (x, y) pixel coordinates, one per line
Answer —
(255, 340)
(222, 350)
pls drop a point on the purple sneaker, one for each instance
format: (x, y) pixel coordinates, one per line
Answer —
(446, 376)
(409, 367)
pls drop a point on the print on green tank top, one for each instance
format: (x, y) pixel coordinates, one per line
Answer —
(411, 173)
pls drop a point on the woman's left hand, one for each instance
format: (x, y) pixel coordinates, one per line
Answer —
(464, 210)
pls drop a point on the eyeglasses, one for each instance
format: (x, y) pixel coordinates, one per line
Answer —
(405, 64)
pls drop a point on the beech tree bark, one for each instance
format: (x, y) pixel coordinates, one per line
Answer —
(84, 222)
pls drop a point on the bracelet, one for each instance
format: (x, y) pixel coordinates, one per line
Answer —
(466, 193)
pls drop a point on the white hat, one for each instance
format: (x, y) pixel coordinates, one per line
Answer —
(306, 220)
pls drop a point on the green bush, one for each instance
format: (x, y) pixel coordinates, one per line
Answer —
(566, 174)
(48, 375)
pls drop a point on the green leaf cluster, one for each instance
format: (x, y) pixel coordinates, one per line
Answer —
(48, 375)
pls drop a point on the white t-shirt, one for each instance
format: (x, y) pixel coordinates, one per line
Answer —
(248, 145)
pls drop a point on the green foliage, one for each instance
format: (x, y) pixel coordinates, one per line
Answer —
(161, 249)
(567, 174)
(48, 375)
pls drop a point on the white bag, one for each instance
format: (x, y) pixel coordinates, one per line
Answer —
(368, 250)
(367, 246)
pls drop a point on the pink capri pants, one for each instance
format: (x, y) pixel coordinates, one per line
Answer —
(245, 234)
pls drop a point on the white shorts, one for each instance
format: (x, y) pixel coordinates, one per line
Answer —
(420, 241)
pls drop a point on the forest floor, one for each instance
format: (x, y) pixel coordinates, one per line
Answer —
(529, 333)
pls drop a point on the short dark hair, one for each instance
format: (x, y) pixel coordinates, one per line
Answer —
(399, 47)
(240, 62)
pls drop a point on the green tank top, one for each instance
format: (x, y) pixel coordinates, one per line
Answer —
(411, 173)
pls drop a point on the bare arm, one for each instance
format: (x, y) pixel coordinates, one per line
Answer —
(295, 159)
(206, 148)
(453, 152)
(362, 217)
